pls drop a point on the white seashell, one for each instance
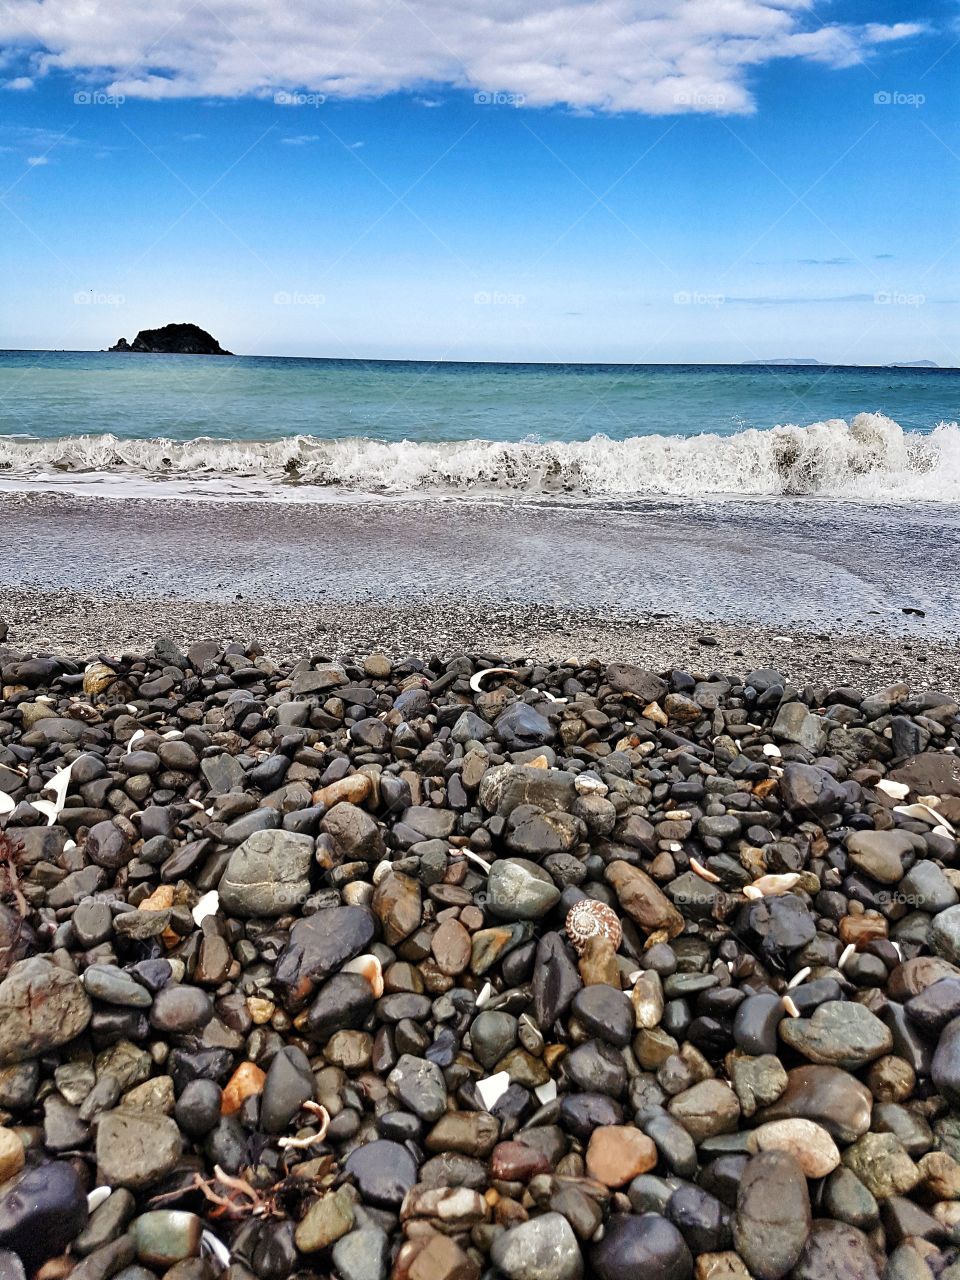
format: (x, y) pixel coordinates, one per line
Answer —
(493, 1088)
(799, 977)
(69, 844)
(845, 955)
(771, 886)
(383, 868)
(477, 679)
(197, 804)
(58, 784)
(486, 991)
(45, 698)
(475, 857)
(676, 815)
(791, 1008)
(923, 813)
(772, 750)
(208, 905)
(546, 1092)
(96, 1197)
(369, 967)
(47, 807)
(897, 790)
(703, 872)
(131, 708)
(7, 804)
(172, 733)
(135, 737)
(210, 1244)
(552, 697)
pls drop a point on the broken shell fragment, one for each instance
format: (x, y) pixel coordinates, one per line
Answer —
(771, 886)
(369, 967)
(97, 679)
(477, 679)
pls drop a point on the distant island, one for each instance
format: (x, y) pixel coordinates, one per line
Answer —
(785, 360)
(913, 364)
(174, 339)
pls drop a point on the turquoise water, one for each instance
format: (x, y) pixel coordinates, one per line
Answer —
(591, 431)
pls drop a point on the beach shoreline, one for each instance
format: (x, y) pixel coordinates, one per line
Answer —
(81, 625)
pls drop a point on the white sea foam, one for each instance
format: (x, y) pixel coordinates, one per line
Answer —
(870, 459)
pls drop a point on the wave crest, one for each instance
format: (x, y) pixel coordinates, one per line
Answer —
(869, 459)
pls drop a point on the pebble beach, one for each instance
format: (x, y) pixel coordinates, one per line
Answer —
(377, 965)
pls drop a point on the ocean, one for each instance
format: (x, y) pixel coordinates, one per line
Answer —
(343, 430)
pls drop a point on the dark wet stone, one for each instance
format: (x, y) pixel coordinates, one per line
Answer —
(41, 1007)
(180, 1008)
(289, 1084)
(556, 980)
(641, 1246)
(582, 1112)
(772, 1220)
(756, 1021)
(596, 1067)
(383, 1171)
(839, 1033)
(702, 1219)
(545, 1248)
(320, 945)
(604, 1012)
(827, 1095)
(945, 1070)
(932, 1009)
(521, 726)
(41, 1210)
(836, 1251)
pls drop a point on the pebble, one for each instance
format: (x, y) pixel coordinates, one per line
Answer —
(447, 977)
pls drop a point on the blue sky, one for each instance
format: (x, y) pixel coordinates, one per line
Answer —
(781, 183)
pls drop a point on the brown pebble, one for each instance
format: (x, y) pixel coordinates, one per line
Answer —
(619, 1153)
(246, 1081)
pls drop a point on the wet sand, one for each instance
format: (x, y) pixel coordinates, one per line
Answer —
(817, 595)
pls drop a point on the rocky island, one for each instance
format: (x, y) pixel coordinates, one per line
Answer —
(174, 339)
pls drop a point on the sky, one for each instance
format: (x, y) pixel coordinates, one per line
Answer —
(625, 180)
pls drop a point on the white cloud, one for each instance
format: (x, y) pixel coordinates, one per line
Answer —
(37, 160)
(653, 56)
(19, 84)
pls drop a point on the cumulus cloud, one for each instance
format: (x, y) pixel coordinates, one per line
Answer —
(654, 56)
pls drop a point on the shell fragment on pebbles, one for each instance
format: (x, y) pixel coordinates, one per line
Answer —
(589, 784)
(208, 905)
(546, 1092)
(96, 1197)
(486, 991)
(477, 860)
(368, 966)
(924, 813)
(800, 976)
(134, 739)
(590, 919)
(771, 886)
(383, 868)
(896, 790)
(790, 1007)
(849, 950)
(7, 803)
(493, 1088)
(478, 677)
(703, 872)
(212, 1245)
(59, 785)
(772, 750)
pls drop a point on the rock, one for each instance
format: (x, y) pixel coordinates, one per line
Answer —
(521, 726)
(934, 773)
(945, 1071)
(11, 1154)
(354, 833)
(178, 339)
(325, 1221)
(642, 900)
(383, 1171)
(473, 1133)
(943, 937)
(41, 1007)
(618, 1153)
(267, 875)
(605, 1012)
(647, 1245)
(794, 723)
(806, 787)
(645, 686)
(179, 1009)
(289, 1084)
(882, 1165)
(320, 945)
(396, 903)
(362, 1255)
(520, 890)
(556, 980)
(772, 1220)
(809, 1144)
(836, 1251)
(135, 1149)
(706, 1109)
(420, 1086)
(832, 1098)
(164, 1237)
(41, 1210)
(840, 1033)
(880, 854)
(545, 1248)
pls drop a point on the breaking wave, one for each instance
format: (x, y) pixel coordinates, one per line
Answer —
(869, 459)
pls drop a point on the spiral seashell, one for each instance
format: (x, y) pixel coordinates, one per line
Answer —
(590, 919)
